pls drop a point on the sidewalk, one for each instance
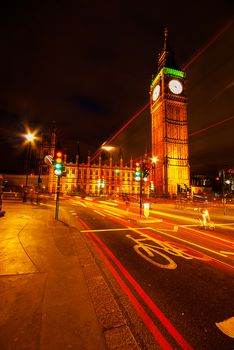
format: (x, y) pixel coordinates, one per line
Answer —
(52, 294)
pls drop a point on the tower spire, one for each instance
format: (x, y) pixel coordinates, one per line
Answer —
(165, 38)
(167, 56)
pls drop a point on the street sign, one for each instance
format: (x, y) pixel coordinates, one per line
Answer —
(49, 159)
(146, 209)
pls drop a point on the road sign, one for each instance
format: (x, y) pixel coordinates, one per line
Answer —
(146, 210)
(48, 159)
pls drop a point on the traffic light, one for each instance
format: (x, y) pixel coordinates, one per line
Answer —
(138, 171)
(58, 164)
(146, 169)
(217, 184)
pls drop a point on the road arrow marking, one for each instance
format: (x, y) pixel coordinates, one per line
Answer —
(227, 327)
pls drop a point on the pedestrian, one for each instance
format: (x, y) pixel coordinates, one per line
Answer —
(205, 217)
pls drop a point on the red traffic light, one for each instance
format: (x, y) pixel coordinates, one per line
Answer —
(58, 157)
(59, 154)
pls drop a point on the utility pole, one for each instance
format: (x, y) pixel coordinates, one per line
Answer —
(223, 191)
(58, 171)
(141, 183)
(57, 198)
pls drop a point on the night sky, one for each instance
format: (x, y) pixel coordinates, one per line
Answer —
(85, 67)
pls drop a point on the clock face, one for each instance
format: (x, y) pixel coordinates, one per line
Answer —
(156, 92)
(175, 86)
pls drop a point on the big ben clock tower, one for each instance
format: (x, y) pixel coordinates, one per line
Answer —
(169, 125)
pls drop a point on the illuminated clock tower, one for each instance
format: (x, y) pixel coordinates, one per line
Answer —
(169, 126)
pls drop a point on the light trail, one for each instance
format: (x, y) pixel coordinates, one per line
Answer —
(98, 212)
(116, 229)
(111, 213)
(211, 126)
(208, 44)
(138, 307)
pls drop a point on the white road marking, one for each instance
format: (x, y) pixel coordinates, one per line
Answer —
(185, 241)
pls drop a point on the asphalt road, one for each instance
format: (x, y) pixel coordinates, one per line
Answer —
(172, 280)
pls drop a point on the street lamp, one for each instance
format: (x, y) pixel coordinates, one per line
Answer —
(29, 138)
(109, 149)
(154, 160)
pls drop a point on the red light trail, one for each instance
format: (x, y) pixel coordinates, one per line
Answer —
(211, 126)
(207, 45)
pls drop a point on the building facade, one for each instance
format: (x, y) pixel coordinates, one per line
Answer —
(96, 179)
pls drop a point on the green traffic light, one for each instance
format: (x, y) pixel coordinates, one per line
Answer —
(58, 165)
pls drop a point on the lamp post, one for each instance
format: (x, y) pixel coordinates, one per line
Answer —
(108, 183)
(154, 161)
(29, 140)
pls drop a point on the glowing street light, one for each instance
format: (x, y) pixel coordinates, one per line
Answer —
(154, 159)
(107, 148)
(30, 137)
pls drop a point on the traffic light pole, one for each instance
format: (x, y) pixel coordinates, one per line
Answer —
(57, 199)
(141, 186)
(141, 180)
